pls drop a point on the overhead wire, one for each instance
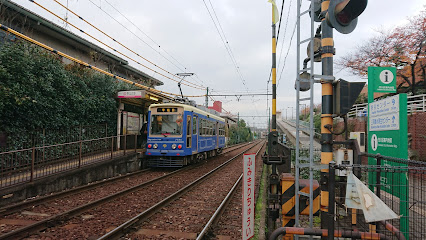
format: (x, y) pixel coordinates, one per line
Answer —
(137, 62)
(282, 45)
(224, 40)
(118, 41)
(288, 51)
(22, 36)
(278, 35)
(285, 33)
(148, 37)
(183, 70)
(221, 32)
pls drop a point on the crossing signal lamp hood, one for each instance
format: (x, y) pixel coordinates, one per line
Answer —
(343, 14)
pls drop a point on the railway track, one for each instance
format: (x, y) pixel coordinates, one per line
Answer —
(30, 203)
(61, 205)
(226, 221)
(186, 214)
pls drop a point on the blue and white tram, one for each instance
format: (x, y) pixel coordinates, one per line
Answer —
(180, 134)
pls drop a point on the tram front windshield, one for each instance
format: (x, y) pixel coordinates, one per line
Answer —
(166, 124)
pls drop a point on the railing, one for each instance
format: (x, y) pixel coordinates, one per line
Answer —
(399, 183)
(305, 125)
(21, 166)
(49, 136)
(415, 103)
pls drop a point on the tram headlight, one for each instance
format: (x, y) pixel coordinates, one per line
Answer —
(155, 146)
(173, 146)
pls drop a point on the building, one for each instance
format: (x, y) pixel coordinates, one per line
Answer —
(217, 106)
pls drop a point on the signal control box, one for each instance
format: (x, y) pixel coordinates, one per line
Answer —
(343, 157)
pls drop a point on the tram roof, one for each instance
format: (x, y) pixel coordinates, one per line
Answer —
(187, 108)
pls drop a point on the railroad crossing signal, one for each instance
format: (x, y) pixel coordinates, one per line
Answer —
(343, 14)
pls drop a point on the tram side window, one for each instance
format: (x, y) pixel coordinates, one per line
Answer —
(188, 125)
(194, 125)
(207, 127)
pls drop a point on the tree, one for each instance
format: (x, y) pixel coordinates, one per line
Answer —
(239, 133)
(403, 47)
(38, 91)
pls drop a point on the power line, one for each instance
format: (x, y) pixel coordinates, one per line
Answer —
(278, 35)
(226, 44)
(52, 50)
(289, 46)
(285, 33)
(116, 40)
(182, 70)
(224, 40)
(107, 44)
(147, 36)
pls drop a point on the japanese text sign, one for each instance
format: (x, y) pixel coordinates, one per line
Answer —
(248, 195)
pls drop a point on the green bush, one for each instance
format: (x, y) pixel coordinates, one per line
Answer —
(38, 91)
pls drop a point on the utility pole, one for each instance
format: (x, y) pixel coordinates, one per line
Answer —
(342, 16)
(207, 98)
(327, 111)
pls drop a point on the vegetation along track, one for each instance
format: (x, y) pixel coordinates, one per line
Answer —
(186, 213)
(80, 205)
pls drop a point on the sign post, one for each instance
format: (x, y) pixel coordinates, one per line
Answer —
(249, 178)
(387, 135)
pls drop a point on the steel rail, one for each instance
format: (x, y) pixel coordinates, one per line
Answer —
(59, 218)
(37, 201)
(219, 211)
(123, 228)
(49, 222)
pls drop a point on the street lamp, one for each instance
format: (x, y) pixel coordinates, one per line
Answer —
(183, 75)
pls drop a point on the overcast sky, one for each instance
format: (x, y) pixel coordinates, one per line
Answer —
(189, 39)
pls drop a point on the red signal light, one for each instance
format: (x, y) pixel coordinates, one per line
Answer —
(180, 146)
(149, 146)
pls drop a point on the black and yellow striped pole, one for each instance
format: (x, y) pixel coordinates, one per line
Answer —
(327, 111)
(274, 183)
(274, 68)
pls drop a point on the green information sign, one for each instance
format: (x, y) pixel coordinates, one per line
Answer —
(387, 136)
(382, 79)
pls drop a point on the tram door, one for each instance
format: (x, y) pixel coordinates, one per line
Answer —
(217, 134)
(194, 133)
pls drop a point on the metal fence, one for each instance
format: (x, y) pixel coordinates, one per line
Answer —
(51, 136)
(399, 183)
(415, 103)
(22, 166)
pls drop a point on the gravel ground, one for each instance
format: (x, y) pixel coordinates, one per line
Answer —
(187, 216)
(229, 225)
(97, 222)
